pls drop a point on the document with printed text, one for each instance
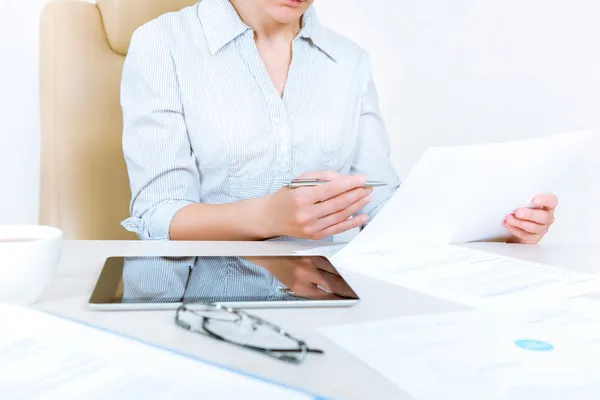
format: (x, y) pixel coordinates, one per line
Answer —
(549, 353)
(46, 357)
(474, 278)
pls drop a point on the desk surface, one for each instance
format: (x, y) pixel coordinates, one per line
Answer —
(336, 374)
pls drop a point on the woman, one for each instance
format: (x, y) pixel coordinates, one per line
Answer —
(226, 101)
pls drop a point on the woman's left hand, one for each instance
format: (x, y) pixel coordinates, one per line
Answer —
(529, 225)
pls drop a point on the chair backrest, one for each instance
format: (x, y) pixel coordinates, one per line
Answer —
(84, 182)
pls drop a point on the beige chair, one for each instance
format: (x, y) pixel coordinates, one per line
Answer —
(84, 182)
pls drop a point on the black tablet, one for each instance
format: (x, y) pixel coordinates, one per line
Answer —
(143, 283)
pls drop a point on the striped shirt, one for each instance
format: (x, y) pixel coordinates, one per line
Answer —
(203, 122)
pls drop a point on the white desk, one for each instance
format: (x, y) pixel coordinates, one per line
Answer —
(335, 374)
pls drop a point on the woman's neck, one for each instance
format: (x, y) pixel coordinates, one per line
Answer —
(264, 27)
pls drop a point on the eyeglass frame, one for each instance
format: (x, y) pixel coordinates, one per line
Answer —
(279, 354)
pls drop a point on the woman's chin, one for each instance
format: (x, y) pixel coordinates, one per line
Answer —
(287, 15)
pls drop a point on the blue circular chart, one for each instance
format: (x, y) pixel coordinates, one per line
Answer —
(534, 345)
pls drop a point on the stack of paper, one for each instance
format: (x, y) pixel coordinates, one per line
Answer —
(551, 353)
(462, 194)
(46, 357)
(473, 278)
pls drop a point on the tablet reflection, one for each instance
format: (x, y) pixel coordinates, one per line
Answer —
(231, 279)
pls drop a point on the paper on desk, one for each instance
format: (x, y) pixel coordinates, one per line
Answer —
(327, 251)
(42, 356)
(470, 277)
(463, 193)
(550, 353)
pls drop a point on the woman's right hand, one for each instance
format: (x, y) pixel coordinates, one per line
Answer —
(320, 211)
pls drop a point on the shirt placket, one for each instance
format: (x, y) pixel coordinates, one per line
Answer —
(275, 104)
(296, 94)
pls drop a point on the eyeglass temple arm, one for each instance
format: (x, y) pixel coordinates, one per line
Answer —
(308, 350)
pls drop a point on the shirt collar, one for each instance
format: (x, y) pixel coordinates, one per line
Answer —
(222, 24)
(317, 33)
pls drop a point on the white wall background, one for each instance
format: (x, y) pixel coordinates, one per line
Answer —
(448, 72)
(19, 120)
(465, 71)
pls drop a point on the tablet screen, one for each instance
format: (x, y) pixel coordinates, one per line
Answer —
(134, 280)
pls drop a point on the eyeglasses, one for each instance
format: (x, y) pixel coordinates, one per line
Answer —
(244, 330)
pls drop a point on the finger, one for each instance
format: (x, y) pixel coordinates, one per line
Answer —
(538, 216)
(336, 187)
(304, 289)
(316, 293)
(324, 264)
(310, 283)
(527, 226)
(341, 215)
(337, 285)
(311, 275)
(344, 226)
(328, 296)
(341, 202)
(314, 283)
(545, 201)
(312, 292)
(522, 236)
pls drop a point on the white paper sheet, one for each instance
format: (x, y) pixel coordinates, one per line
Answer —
(470, 277)
(462, 194)
(45, 357)
(327, 251)
(550, 353)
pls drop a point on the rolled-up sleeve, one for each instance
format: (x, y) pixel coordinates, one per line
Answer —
(161, 165)
(372, 151)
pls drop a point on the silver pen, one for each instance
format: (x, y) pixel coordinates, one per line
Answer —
(297, 183)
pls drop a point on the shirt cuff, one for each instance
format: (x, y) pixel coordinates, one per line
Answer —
(156, 223)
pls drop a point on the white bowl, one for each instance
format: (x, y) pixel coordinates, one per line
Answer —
(29, 256)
